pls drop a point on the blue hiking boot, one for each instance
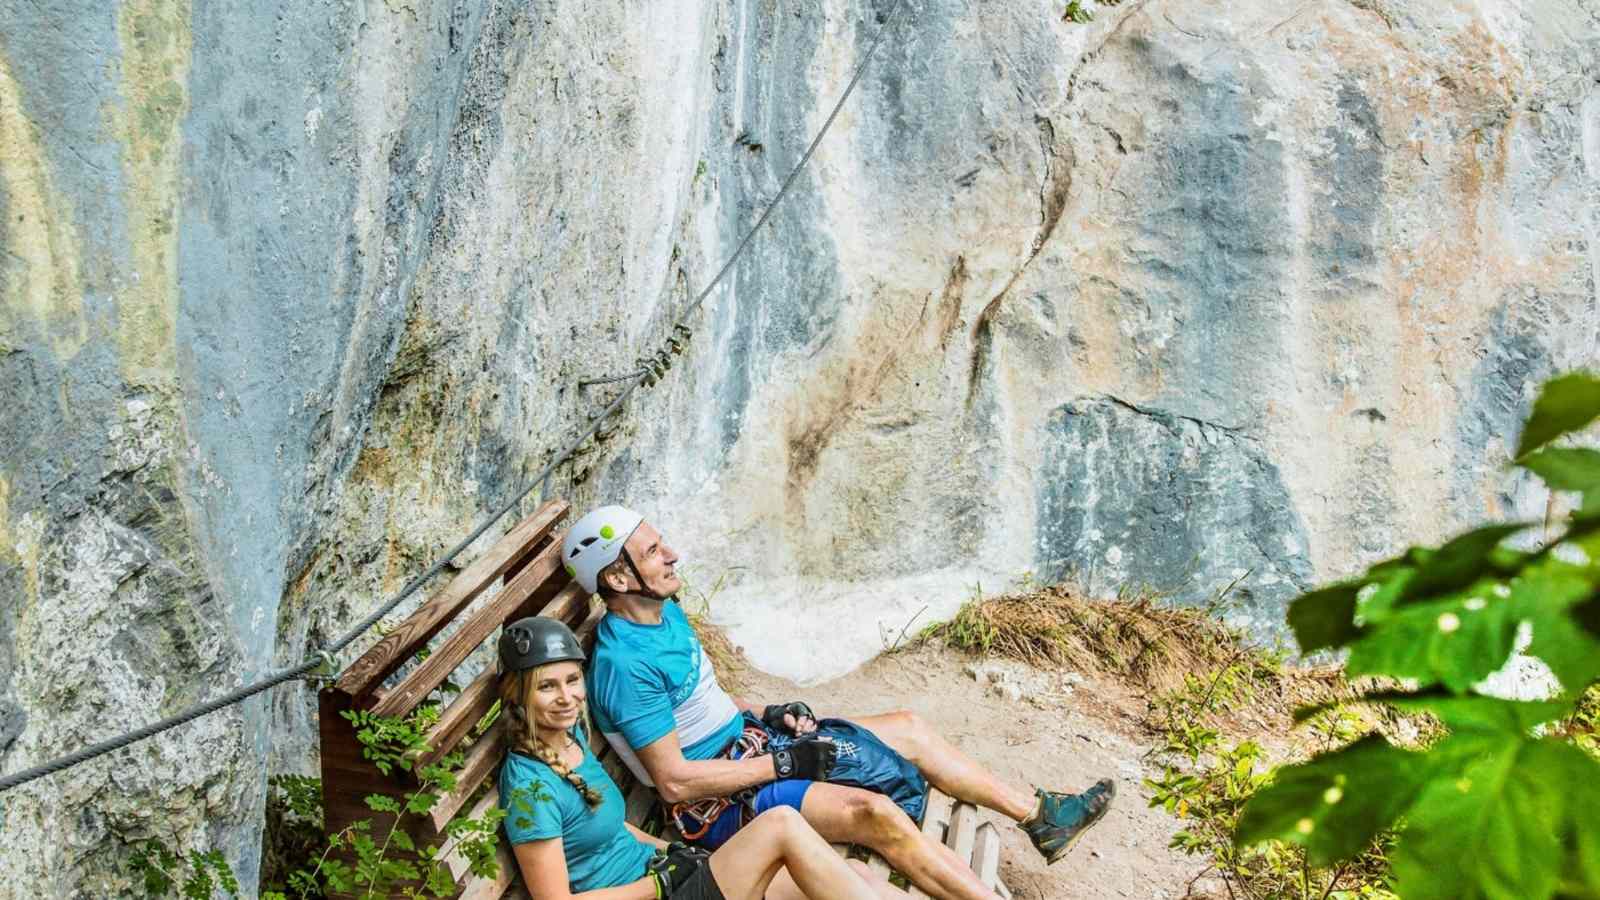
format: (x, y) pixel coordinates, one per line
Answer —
(1063, 818)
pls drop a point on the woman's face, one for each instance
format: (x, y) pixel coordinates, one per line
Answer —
(557, 696)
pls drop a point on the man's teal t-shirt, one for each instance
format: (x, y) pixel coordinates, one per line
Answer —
(540, 804)
(648, 680)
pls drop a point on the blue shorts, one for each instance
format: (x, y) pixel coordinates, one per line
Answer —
(791, 793)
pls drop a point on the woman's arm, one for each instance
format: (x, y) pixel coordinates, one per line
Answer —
(646, 838)
(544, 873)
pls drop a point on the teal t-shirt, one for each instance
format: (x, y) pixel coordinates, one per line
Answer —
(648, 680)
(540, 804)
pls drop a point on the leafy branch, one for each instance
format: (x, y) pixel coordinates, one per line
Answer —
(1503, 803)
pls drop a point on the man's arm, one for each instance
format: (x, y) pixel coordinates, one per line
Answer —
(680, 780)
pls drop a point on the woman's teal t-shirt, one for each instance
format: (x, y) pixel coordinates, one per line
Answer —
(540, 804)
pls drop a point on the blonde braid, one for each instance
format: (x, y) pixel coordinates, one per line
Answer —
(521, 737)
(551, 758)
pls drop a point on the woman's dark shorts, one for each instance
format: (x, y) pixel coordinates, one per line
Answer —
(700, 886)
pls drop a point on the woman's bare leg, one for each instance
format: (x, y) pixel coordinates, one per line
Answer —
(779, 838)
(784, 888)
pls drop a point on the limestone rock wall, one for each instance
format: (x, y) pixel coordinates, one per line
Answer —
(292, 293)
(1201, 292)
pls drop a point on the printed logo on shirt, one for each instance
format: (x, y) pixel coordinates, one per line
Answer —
(691, 678)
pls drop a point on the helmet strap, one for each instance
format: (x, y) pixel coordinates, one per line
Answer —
(644, 588)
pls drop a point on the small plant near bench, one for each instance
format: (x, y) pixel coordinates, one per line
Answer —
(362, 858)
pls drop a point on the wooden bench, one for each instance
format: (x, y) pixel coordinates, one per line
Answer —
(520, 575)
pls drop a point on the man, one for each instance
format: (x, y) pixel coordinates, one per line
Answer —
(655, 697)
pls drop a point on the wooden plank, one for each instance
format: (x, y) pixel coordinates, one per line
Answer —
(963, 830)
(1001, 889)
(638, 804)
(986, 855)
(432, 672)
(936, 814)
(479, 696)
(389, 654)
(618, 770)
(585, 629)
(466, 710)
(478, 888)
(482, 759)
(569, 605)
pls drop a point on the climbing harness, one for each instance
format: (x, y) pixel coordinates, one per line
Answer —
(650, 371)
(694, 818)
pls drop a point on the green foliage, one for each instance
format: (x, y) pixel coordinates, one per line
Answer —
(1565, 405)
(196, 877)
(1077, 12)
(1502, 804)
(1583, 726)
(371, 857)
(293, 831)
(970, 631)
(1207, 784)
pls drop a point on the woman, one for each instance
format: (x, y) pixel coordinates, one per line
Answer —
(564, 814)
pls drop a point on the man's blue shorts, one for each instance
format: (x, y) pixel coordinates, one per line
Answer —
(790, 792)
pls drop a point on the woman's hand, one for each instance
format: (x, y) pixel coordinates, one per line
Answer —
(674, 868)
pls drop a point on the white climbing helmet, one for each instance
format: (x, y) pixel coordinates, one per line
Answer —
(595, 541)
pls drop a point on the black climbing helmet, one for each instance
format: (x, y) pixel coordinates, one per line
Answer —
(537, 641)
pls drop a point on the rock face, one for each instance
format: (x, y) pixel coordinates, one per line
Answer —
(291, 294)
(1130, 497)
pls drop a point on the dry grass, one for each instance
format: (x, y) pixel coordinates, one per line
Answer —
(1139, 641)
(1135, 639)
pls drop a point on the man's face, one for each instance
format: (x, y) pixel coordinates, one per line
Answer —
(654, 560)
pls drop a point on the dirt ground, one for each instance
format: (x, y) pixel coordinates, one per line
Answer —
(1060, 730)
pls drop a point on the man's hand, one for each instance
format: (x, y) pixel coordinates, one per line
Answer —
(809, 758)
(793, 717)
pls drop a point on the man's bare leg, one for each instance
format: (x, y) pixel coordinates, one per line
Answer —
(946, 767)
(841, 813)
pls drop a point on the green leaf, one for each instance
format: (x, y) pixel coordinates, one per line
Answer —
(1464, 712)
(1565, 404)
(1390, 580)
(402, 840)
(1458, 563)
(1561, 641)
(1548, 593)
(1566, 468)
(1458, 641)
(1325, 617)
(1475, 712)
(380, 803)
(1508, 817)
(1334, 805)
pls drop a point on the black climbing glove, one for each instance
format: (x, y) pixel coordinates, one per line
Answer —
(672, 868)
(773, 715)
(810, 758)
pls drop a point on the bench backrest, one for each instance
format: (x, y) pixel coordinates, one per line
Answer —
(531, 581)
